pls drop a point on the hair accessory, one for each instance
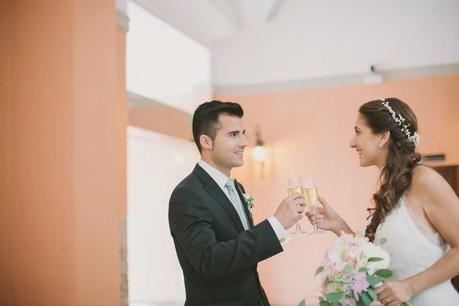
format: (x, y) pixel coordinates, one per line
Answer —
(415, 138)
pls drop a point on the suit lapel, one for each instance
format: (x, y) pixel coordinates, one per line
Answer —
(217, 193)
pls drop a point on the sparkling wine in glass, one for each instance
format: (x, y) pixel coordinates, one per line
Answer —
(294, 186)
(311, 198)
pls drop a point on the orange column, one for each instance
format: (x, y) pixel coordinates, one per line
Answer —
(97, 154)
(4, 144)
(62, 159)
(122, 113)
(37, 203)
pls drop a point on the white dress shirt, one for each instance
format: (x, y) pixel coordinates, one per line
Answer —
(221, 179)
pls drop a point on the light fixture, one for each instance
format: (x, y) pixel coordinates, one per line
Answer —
(373, 77)
(259, 152)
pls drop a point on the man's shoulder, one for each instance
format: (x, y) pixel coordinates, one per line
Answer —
(188, 194)
(189, 183)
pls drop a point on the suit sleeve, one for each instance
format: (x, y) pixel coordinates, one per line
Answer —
(192, 226)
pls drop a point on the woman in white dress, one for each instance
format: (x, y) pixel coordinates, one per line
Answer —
(416, 211)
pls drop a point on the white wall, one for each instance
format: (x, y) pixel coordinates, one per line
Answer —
(313, 39)
(164, 64)
(156, 164)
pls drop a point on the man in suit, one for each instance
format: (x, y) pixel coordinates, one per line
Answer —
(217, 244)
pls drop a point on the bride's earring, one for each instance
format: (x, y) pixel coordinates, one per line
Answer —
(381, 145)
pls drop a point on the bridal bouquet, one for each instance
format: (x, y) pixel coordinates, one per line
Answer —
(351, 270)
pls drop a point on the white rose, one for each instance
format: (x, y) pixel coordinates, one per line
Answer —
(369, 250)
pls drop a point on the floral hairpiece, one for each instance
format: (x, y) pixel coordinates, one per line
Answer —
(401, 122)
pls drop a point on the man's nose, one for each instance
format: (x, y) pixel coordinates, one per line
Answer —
(244, 142)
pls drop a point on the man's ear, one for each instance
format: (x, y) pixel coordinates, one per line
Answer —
(206, 142)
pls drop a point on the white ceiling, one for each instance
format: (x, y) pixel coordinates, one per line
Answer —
(262, 41)
(213, 21)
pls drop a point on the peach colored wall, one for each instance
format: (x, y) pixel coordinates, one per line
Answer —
(307, 132)
(61, 180)
(162, 119)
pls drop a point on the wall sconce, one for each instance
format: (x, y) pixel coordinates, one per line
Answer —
(259, 152)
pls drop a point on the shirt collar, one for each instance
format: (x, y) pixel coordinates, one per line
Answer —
(220, 178)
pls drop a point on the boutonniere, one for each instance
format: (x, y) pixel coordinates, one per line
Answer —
(248, 200)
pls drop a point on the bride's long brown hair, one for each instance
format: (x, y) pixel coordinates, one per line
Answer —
(396, 176)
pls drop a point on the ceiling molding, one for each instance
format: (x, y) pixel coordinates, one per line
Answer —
(351, 79)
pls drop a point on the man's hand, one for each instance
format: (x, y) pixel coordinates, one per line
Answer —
(290, 210)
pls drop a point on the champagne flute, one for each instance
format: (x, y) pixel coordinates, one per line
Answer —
(294, 186)
(311, 198)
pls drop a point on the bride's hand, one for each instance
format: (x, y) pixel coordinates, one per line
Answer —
(394, 293)
(326, 218)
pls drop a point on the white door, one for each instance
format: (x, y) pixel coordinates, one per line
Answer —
(156, 164)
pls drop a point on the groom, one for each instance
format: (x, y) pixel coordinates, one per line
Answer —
(217, 244)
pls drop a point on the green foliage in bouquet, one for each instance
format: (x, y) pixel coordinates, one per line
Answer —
(351, 270)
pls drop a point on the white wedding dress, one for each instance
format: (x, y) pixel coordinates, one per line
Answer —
(413, 248)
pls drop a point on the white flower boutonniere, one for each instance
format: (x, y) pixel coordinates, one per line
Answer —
(248, 200)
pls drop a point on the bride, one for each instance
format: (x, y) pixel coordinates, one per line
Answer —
(416, 211)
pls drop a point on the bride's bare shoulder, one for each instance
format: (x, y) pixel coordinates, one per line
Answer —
(429, 182)
(425, 175)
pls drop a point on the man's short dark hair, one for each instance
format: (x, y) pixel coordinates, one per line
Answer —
(205, 118)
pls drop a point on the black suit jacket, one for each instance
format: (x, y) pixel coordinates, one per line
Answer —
(218, 257)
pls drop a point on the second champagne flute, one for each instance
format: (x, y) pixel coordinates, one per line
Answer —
(311, 198)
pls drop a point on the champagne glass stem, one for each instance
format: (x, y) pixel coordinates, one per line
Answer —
(315, 227)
